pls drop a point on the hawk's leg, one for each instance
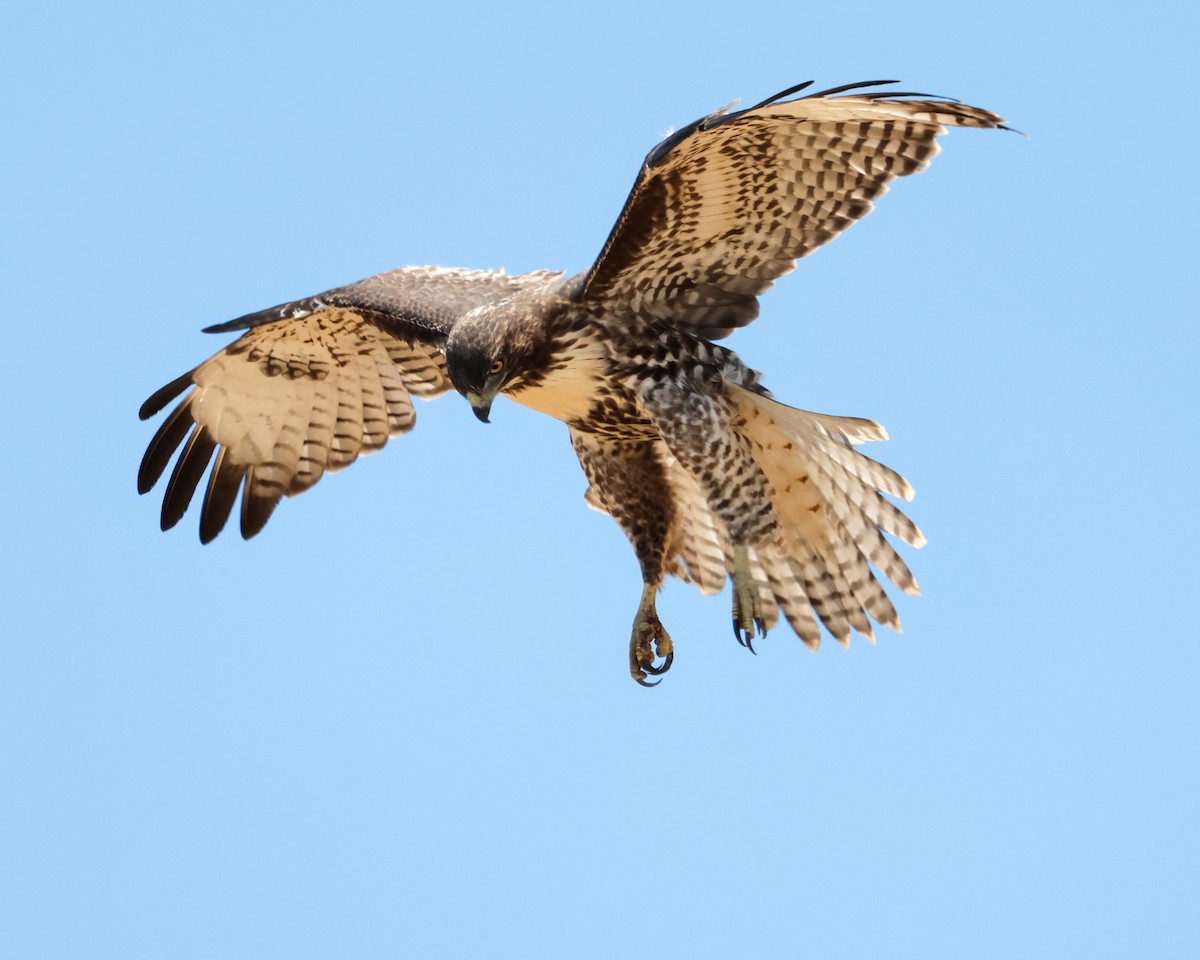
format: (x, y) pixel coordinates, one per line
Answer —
(628, 482)
(747, 608)
(649, 642)
(698, 427)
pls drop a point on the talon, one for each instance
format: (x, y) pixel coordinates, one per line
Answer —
(666, 665)
(742, 636)
(747, 608)
(649, 642)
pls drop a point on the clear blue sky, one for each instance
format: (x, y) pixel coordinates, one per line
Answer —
(399, 722)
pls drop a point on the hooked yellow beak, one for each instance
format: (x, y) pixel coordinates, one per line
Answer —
(482, 405)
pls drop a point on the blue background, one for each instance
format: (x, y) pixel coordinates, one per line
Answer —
(399, 722)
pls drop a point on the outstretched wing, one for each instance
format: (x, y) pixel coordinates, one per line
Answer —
(310, 386)
(726, 205)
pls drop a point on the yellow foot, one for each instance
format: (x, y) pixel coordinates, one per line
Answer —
(649, 643)
(747, 609)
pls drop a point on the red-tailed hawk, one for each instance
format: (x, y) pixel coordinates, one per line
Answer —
(707, 475)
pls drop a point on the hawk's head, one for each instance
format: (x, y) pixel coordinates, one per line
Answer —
(490, 349)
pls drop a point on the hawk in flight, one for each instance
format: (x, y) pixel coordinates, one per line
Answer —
(707, 475)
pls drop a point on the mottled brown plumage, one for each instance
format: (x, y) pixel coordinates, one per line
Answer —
(706, 474)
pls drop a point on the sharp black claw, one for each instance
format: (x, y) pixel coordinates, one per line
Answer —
(647, 683)
(657, 671)
(762, 626)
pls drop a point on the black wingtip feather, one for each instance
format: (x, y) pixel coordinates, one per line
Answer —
(220, 496)
(832, 91)
(189, 468)
(783, 93)
(165, 442)
(257, 505)
(164, 395)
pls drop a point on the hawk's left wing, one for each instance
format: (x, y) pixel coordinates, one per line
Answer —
(310, 386)
(725, 206)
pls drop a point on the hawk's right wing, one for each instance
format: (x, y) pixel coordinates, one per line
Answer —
(727, 205)
(309, 386)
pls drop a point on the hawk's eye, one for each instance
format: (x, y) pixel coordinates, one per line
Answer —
(497, 366)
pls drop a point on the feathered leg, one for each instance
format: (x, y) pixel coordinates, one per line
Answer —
(629, 483)
(699, 430)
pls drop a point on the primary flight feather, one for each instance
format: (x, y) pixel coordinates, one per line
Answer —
(707, 475)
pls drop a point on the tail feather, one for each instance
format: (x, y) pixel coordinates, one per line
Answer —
(846, 477)
(851, 594)
(788, 587)
(857, 505)
(881, 553)
(846, 433)
(867, 592)
(824, 595)
(831, 517)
